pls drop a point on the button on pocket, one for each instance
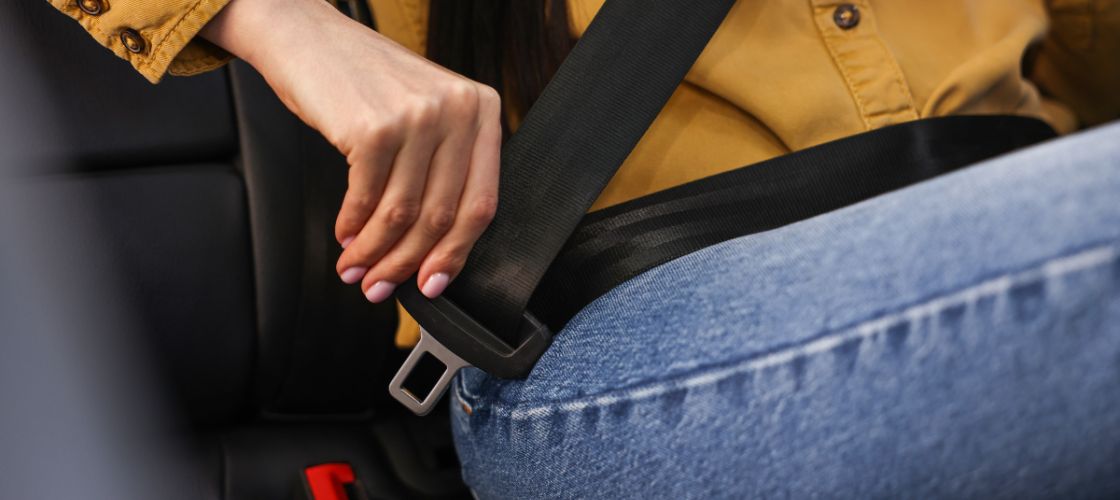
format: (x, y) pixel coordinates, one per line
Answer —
(92, 7)
(133, 41)
(846, 16)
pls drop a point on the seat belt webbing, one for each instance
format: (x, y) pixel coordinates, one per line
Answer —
(617, 243)
(602, 99)
(589, 118)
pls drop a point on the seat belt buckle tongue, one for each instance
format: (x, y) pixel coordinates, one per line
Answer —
(428, 345)
(454, 338)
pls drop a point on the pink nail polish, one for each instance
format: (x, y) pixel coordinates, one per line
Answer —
(435, 285)
(346, 242)
(353, 275)
(380, 291)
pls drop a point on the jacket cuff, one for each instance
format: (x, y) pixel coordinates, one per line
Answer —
(167, 35)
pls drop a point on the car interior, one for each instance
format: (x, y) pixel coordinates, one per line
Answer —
(219, 223)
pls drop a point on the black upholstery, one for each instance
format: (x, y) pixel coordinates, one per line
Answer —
(178, 248)
(153, 164)
(80, 89)
(257, 453)
(175, 193)
(216, 206)
(321, 343)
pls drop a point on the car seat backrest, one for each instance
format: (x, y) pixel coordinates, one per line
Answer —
(218, 206)
(322, 344)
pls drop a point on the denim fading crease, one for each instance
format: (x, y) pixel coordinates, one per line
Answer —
(956, 339)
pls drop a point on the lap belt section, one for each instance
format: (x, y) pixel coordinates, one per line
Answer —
(617, 243)
(543, 257)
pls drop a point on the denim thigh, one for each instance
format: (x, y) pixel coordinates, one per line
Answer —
(959, 338)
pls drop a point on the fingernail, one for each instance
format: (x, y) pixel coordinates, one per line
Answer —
(435, 285)
(353, 275)
(346, 242)
(380, 291)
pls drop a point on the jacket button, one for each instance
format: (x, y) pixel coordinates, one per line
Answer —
(133, 41)
(846, 16)
(91, 7)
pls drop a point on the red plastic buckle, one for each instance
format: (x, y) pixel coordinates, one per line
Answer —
(328, 481)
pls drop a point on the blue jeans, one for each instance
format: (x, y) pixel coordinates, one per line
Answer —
(956, 339)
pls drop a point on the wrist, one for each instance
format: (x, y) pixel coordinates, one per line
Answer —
(253, 29)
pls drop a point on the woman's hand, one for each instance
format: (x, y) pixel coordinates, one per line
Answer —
(422, 142)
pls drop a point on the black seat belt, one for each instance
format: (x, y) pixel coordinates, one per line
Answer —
(605, 95)
(619, 242)
(596, 108)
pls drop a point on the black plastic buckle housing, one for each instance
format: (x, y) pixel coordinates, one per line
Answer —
(454, 338)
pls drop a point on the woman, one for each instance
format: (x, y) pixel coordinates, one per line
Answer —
(423, 145)
(777, 78)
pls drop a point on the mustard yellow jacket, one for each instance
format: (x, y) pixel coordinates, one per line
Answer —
(779, 76)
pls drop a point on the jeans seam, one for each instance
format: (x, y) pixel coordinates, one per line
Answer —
(464, 392)
(1081, 258)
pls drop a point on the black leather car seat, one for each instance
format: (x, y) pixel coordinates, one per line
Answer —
(217, 206)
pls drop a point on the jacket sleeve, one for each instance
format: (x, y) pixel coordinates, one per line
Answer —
(156, 37)
(1079, 61)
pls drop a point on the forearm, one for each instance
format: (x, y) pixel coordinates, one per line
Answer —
(256, 30)
(423, 143)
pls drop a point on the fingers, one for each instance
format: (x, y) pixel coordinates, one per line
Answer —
(442, 196)
(428, 208)
(367, 178)
(398, 207)
(477, 206)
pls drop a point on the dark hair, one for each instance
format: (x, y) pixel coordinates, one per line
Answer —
(514, 46)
